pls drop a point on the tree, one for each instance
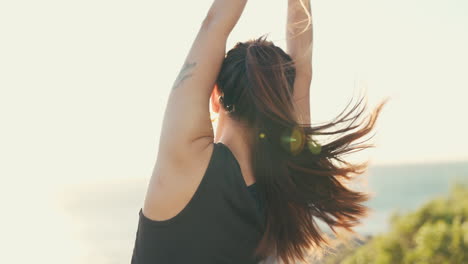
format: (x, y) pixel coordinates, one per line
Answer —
(437, 233)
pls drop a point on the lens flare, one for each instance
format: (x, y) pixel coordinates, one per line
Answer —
(293, 140)
(314, 147)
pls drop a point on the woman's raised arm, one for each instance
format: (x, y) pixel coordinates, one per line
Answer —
(299, 35)
(187, 116)
(187, 134)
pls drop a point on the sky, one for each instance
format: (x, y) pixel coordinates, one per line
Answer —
(83, 84)
(83, 87)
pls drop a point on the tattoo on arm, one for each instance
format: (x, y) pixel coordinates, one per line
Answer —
(185, 73)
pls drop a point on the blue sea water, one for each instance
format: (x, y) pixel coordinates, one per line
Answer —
(104, 216)
(406, 187)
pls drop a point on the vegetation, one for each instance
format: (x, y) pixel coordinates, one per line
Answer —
(437, 233)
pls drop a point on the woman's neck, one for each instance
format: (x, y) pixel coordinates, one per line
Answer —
(234, 135)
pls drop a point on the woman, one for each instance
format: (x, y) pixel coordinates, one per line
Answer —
(250, 190)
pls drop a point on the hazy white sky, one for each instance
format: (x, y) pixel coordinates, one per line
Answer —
(84, 83)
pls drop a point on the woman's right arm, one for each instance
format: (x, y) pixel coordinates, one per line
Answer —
(299, 35)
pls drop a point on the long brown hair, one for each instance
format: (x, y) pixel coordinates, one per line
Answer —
(298, 178)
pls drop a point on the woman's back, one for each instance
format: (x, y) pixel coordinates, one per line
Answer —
(222, 223)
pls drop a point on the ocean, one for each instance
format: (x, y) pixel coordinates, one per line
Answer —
(101, 218)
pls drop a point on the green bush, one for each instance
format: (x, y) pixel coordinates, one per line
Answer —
(437, 233)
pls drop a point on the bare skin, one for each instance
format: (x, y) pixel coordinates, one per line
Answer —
(185, 73)
(299, 36)
(187, 135)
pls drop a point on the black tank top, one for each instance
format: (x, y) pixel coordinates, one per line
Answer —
(222, 223)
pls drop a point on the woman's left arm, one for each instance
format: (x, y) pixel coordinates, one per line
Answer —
(187, 120)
